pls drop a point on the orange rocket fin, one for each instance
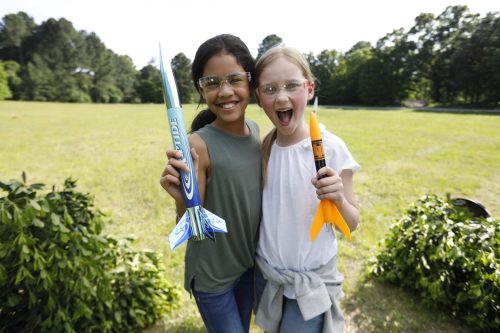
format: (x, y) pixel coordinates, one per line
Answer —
(336, 218)
(317, 223)
(327, 212)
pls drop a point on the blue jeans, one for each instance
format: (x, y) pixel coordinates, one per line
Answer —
(291, 318)
(230, 310)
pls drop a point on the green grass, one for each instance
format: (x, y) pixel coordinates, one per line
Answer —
(117, 153)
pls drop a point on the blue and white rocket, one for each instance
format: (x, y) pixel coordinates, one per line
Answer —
(197, 223)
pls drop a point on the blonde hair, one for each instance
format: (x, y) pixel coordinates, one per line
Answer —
(293, 56)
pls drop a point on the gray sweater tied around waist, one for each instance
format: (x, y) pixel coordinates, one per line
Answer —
(318, 292)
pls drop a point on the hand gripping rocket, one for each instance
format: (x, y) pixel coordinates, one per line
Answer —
(327, 212)
(197, 223)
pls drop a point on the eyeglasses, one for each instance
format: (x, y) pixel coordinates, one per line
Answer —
(235, 80)
(290, 87)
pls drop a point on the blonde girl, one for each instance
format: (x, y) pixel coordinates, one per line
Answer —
(300, 286)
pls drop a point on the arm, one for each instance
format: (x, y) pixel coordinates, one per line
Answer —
(338, 189)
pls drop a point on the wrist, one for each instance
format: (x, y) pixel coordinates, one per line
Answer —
(179, 211)
(343, 203)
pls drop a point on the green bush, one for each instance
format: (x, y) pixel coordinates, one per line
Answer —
(58, 273)
(448, 256)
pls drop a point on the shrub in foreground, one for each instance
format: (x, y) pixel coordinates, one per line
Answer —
(58, 273)
(448, 256)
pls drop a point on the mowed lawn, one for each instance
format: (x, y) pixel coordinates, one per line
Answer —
(117, 153)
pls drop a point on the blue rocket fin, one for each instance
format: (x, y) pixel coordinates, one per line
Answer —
(211, 223)
(181, 232)
(208, 224)
(216, 223)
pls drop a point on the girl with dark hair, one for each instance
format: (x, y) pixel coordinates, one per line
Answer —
(226, 147)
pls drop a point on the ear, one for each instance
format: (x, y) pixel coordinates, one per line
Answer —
(310, 91)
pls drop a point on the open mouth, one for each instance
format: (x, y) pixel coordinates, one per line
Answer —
(285, 116)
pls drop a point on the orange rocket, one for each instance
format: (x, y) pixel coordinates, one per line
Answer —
(327, 212)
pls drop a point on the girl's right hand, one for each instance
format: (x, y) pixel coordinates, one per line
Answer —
(329, 186)
(170, 177)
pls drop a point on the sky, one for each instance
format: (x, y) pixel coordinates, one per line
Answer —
(135, 28)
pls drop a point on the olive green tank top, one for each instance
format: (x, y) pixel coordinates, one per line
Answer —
(234, 193)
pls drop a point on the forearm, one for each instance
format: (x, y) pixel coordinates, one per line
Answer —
(180, 209)
(350, 213)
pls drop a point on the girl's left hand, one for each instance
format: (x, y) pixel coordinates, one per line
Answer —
(329, 186)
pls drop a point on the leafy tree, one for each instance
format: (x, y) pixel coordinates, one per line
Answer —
(125, 78)
(395, 60)
(422, 33)
(371, 82)
(490, 28)
(477, 65)
(66, 65)
(324, 67)
(149, 84)
(268, 42)
(181, 67)
(4, 84)
(346, 80)
(14, 29)
(12, 69)
(55, 52)
(111, 78)
(39, 83)
(102, 71)
(454, 24)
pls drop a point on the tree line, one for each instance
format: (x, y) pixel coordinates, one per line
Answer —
(449, 59)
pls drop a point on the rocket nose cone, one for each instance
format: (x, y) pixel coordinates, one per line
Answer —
(168, 85)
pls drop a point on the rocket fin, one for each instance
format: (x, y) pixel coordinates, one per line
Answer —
(336, 218)
(181, 232)
(207, 231)
(217, 224)
(317, 223)
(211, 223)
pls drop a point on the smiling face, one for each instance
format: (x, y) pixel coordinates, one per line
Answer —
(229, 101)
(283, 93)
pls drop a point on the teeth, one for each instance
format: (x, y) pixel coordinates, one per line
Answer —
(228, 105)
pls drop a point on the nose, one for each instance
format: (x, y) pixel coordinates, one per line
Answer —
(225, 89)
(281, 96)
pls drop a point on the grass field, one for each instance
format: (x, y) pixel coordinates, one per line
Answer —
(117, 153)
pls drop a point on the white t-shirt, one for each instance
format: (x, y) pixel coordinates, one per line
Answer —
(289, 203)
